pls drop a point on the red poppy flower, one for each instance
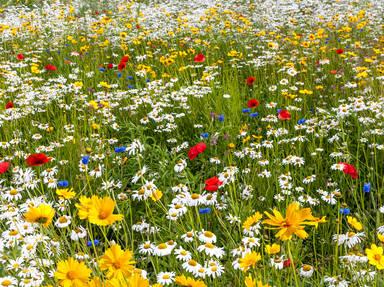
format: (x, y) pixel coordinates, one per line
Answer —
(339, 51)
(110, 66)
(333, 72)
(196, 150)
(124, 59)
(199, 58)
(20, 57)
(37, 159)
(250, 80)
(287, 263)
(9, 105)
(212, 184)
(284, 115)
(121, 66)
(4, 166)
(50, 67)
(350, 170)
(253, 103)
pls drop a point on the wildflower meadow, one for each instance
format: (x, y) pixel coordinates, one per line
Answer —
(191, 143)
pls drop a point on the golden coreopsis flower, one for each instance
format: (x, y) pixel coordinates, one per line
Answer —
(117, 261)
(251, 220)
(136, 280)
(189, 282)
(84, 206)
(43, 214)
(249, 260)
(293, 223)
(250, 282)
(375, 256)
(98, 211)
(71, 273)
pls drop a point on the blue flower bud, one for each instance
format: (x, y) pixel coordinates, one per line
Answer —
(301, 121)
(345, 211)
(95, 242)
(367, 187)
(63, 183)
(85, 159)
(120, 149)
(204, 210)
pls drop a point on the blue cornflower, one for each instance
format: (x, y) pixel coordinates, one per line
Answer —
(367, 187)
(205, 210)
(345, 211)
(204, 135)
(254, 115)
(301, 121)
(220, 118)
(85, 159)
(120, 149)
(95, 242)
(63, 183)
(246, 110)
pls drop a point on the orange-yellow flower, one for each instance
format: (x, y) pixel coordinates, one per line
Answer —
(293, 223)
(71, 273)
(189, 282)
(117, 262)
(101, 211)
(135, 280)
(42, 214)
(272, 249)
(375, 256)
(251, 220)
(250, 282)
(84, 206)
(249, 260)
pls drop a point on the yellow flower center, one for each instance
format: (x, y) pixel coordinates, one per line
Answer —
(162, 246)
(13, 192)
(6, 282)
(103, 215)
(63, 219)
(71, 275)
(377, 257)
(208, 234)
(166, 276)
(195, 196)
(192, 262)
(117, 265)
(147, 245)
